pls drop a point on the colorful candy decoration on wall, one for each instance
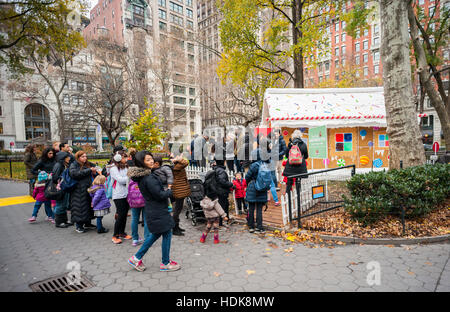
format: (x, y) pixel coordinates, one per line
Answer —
(341, 162)
(326, 161)
(363, 134)
(376, 128)
(285, 133)
(370, 144)
(378, 163)
(364, 160)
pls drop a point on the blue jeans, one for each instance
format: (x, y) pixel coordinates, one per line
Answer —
(135, 213)
(273, 190)
(165, 246)
(48, 209)
(62, 205)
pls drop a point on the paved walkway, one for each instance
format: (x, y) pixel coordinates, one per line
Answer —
(241, 262)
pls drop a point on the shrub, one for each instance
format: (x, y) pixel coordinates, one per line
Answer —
(417, 189)
(5, 152)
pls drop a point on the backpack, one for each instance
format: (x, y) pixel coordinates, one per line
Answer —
(295, 155)
(264, 178)
(67, 182)
(210, 185)
(109, 186)
(134, 197)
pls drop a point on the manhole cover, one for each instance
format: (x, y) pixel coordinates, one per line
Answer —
(61, 283)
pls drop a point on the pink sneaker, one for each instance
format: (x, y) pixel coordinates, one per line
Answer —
(171, 266)
(51, 220)
(137, 264)
(277, 203)
(32, 219)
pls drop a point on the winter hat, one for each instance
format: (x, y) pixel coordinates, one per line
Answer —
(43, 176)
(117, 157)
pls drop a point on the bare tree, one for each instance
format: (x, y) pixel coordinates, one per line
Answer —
(167, 67)
(110, 102)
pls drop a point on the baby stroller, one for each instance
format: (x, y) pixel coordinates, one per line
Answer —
(194, 210)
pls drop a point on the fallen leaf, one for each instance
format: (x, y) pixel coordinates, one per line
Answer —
(411, 273)
(274, 246)
(390, 246)
(56, 252)
(429, 263)
(290, 249)
(217, 274)
(250, 272)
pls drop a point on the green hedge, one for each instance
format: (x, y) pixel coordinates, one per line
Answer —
(376, 194)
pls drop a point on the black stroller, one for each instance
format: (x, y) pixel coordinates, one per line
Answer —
(193, 208)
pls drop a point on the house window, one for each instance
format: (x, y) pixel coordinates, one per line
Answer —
(366, 58)
(365, 44)
(336, 27)
(344, 142)
(162, 3)
(336, 39)
(383, 140)
(343, 50)
(336, 51)
(357, 60)
(336, 63)
(357, 47)
(376, 30)
(366, 32)
(327, 66)
(343, 37)
(366, 71)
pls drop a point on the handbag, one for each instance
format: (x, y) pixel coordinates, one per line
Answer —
(51, 191)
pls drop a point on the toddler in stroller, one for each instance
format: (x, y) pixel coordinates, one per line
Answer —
(193, 201)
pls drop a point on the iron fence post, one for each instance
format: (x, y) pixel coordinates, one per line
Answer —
(401, 164)
(298, 186)
(10, 168)
(403, 220)
(289, 201)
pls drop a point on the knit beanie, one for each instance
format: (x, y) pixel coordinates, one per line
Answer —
(43, 176)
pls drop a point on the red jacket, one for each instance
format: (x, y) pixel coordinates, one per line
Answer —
(240, 188)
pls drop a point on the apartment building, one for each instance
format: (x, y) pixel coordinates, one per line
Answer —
(159, 35)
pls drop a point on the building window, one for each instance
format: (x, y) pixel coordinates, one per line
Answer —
(192, 91)
(366, 58)
(192, 102)
(343, 50)
(179, 100)
(189, 3)
(365, 44)
(162, 14)
(376, 56)
(189, 13)
(376, 41)
(162, 26)
(366, 32)
(179, 89)
(376, 69)
(336, 51)
(336, 63)
(189, 24)
(336, 39)
(176, 19)
(138, 10)
(162, 3)
(336, 27)
(37, 122)
(327, 66)
(357, 60)
(366, 71)
(343, 37)
(376, 30)
(431, 11)
(66, 99)
(344, 142)
(175, 7)
(357, 47)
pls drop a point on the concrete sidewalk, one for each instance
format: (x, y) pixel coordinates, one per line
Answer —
(241, 262)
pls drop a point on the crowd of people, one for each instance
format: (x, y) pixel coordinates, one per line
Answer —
(155, 189)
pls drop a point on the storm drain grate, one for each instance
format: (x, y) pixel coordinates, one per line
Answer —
(61, 283)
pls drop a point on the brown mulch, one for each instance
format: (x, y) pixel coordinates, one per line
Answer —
(339, 223)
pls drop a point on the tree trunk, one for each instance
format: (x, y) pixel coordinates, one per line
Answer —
(296, 34)
(405, 143)
(422, 67)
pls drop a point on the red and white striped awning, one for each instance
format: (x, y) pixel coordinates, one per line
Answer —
(331, 117)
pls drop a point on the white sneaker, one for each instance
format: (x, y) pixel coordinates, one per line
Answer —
(171, 266)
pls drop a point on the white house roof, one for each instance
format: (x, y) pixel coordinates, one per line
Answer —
(345, 107)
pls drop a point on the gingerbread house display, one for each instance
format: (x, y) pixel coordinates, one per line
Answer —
(355, 120)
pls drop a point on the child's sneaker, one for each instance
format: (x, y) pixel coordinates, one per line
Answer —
(137, 242)
(137, 264)
(51, 220)
(171, 266)
(32, 219)
(116, 240)
(277, 203)
(216, 239)
(203, 238)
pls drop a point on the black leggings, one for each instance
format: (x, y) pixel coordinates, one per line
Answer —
(122, 207)
(178, 207)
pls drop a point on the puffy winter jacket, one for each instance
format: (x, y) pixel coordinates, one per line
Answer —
(121, 187)
(223, 184)
(240, 186)
(212, 208)
(98, 195)
(38, 193)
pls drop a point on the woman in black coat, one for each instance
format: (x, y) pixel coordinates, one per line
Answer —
(80, 200)
(46, 162)
(290, 170)
(159, 220)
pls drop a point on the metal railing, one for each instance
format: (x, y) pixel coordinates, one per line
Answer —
(314, 193)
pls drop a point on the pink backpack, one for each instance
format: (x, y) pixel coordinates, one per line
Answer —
(295, 155)
(135, 198)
